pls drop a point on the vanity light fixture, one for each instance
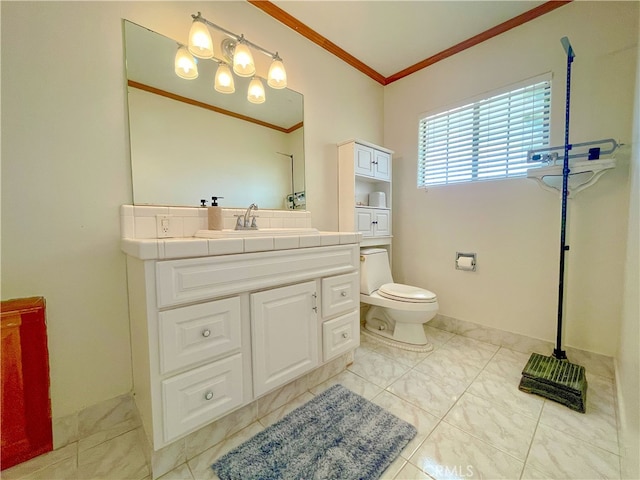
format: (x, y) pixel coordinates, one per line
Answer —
(224, 79)
(200, 43)
(256, 91)
(201, 46)
(185, 65)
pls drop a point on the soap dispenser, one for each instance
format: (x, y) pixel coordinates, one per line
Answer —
(215, 215)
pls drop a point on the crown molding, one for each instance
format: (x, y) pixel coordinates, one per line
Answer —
(290, 21)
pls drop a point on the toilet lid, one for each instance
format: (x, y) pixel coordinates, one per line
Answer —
(406, 293)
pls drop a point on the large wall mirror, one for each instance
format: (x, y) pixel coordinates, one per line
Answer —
(190, 142)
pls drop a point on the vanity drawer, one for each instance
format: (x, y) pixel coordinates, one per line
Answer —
(340, 335)
(195, 279)
(194, 398)
(340, 294)
(196, 333)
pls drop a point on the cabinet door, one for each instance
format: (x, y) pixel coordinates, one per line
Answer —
(382, 165)
(364, 161)
(24, 378)
(382, 224)
(14, 423)
(364, 221)
(284, 335)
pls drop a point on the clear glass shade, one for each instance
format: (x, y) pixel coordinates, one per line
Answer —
(224, 79)
(256, 91)
(243, 63)
(200, 43)
(277, 77)
(185, 64)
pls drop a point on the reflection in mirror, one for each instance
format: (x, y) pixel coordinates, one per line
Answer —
(189, 142)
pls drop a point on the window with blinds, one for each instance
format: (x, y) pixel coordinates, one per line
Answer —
(484, 140)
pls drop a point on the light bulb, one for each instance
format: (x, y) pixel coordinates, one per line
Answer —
(224, 79)
(277, 77)
(243, 61)
(256, 91)
(185, 64)
(200, 43)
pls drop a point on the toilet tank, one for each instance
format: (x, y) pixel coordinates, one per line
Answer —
(374, 269)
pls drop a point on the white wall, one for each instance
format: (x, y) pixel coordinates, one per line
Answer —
(513, 225)
(66, 167)
(66, 170)
(628, 357)
(226, 156)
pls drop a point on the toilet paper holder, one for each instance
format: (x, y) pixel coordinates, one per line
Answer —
(466, 261)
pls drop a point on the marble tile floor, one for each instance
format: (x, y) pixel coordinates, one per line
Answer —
(472, 422)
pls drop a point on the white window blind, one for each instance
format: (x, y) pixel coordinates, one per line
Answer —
(484, 140)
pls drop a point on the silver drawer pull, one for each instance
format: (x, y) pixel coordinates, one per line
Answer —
(344, 294)
(206, 332)
(208, 395)
(345, 335)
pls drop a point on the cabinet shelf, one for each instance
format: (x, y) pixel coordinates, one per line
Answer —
(373, 208)
(362, 178)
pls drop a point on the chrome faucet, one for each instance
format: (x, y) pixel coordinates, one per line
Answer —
(249, 222)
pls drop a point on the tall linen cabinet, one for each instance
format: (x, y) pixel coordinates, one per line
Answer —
(364, 191)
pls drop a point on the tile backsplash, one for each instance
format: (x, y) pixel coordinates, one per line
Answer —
(141, 221)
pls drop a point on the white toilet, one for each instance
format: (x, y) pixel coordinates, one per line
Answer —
(398, 312)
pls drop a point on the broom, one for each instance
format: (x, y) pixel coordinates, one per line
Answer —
(554, 377)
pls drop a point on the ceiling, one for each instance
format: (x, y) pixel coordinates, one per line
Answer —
(385, 39)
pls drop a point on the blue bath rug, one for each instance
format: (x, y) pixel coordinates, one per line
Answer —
(337, 435)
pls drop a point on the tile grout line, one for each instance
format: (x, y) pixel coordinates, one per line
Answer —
(579, 438)
(442, 419)
(470, 393)
(535, 430)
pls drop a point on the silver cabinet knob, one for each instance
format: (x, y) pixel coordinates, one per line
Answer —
(206, 332)
(345, 335)
(344, 294)
(208, 395)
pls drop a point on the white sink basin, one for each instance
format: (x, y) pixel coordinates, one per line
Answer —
(262, 232)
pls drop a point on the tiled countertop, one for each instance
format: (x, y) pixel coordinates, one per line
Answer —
(170, 248)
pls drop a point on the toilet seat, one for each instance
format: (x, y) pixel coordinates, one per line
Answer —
(406, 293)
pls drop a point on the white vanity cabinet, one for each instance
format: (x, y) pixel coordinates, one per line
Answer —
(364, 178)
(213, 333)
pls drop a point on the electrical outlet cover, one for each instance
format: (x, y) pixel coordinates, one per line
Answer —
(163, 224)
